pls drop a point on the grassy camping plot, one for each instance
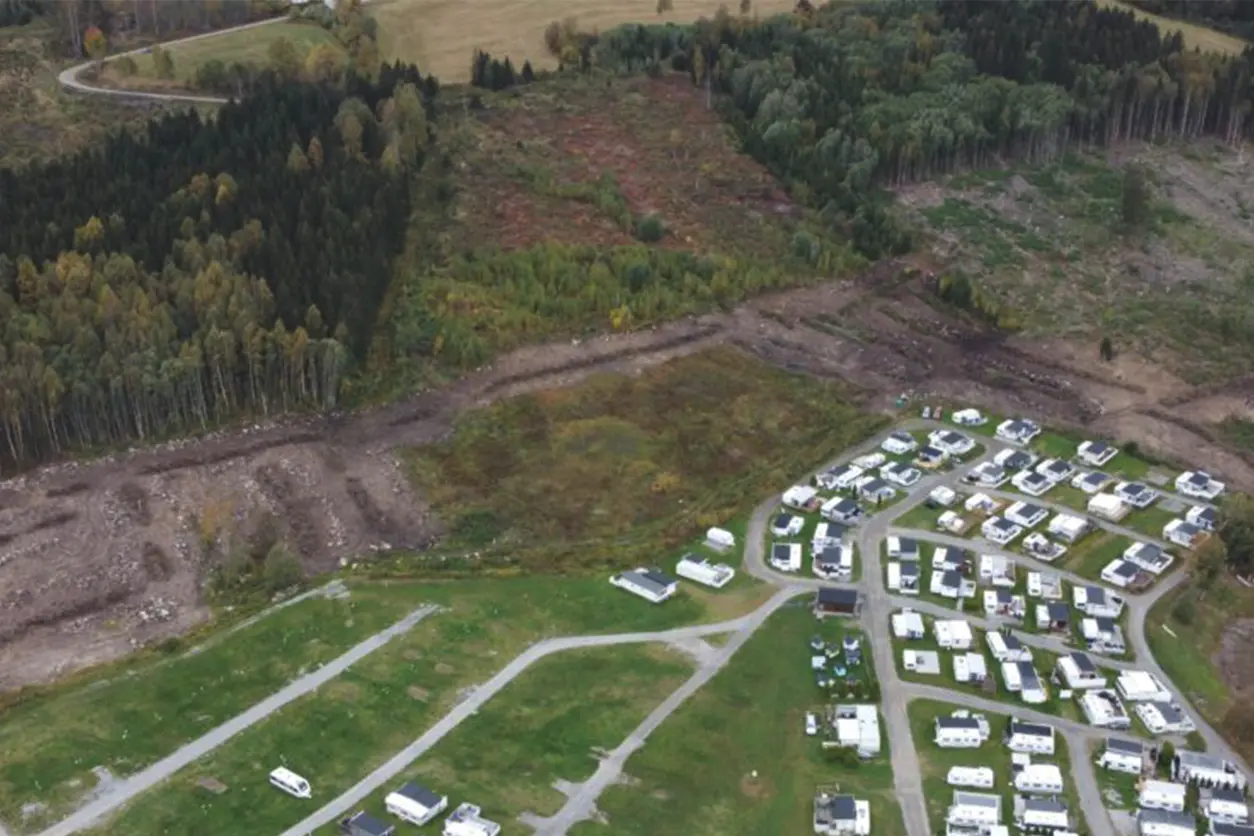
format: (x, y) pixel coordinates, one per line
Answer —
(550, 724)
(1088, 557)
(342, 731)
(150, 707)
(734, 759)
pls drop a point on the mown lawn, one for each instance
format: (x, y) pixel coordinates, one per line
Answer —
(1150, 521)
(145, 712)
(549, 724)
(619, 470)
(342, 731)
(1088, 557)
(696, 774)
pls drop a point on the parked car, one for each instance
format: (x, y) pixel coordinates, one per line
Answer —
(812, 724)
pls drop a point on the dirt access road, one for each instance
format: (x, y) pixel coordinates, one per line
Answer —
(98, 558)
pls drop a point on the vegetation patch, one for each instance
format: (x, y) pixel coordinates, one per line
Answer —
(702, 772)
(620, 470)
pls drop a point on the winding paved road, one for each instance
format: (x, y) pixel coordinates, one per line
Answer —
(146, 779)
(69, 77)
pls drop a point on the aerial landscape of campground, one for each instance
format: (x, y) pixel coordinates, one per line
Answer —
(642, 418)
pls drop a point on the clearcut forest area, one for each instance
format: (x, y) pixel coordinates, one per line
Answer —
(289, 304)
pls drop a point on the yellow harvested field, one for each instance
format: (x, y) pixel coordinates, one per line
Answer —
(1200, 37)
(441, 35)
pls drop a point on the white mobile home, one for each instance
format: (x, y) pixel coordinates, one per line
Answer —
(970, 667)
(415, 804)
(1076, 672)
(1141, 686)
(974, 809)
(1226, 806)
(959, 732)
(720, 540)
(1161, 795)
(1039, 779)
(1030, 738)
(650, 584)
(1103, 709)
(1041, 814)
(468, 820)
(1206, 770)
(977, 777)
(1165, 823)
(1006, 647)
(1127, 756)
(714, 575)
(953, 634)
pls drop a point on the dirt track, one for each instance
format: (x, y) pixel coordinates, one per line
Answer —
(98, 558)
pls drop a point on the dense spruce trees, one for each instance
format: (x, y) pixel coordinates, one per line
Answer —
(166, 282)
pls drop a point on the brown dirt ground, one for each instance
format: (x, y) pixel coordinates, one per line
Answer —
(98, 558)
(1235, 658)
(667, 153)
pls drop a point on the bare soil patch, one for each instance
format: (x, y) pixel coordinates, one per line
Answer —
(1235, 657)
(756, 787)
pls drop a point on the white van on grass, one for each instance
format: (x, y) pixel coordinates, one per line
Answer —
(291, 783)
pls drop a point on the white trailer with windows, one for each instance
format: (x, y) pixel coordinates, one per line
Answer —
(979, 777)
(415, 804)
(291, 783)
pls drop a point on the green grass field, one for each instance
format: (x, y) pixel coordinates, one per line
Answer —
(249, 46)
(363, 716)
(148, 710)
(1088, 557)
(1150, 521)
(547, 725)
(695, 775)
(620, 470)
